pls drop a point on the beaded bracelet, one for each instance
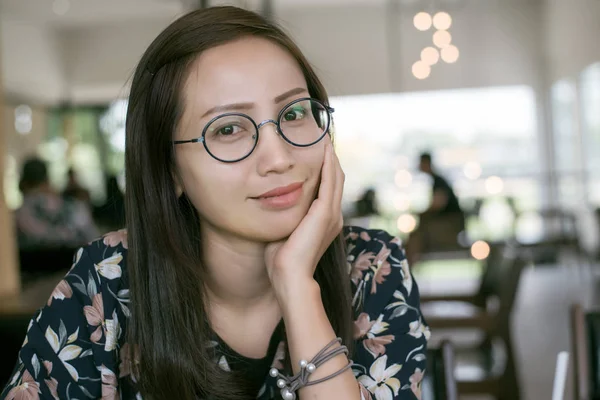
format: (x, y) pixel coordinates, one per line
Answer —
(289, 385)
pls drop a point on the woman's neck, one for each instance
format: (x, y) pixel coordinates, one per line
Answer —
(237, 278)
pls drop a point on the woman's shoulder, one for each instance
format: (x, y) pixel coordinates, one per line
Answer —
(360, 239)
(115, 241)
(104, 260)
(110, 249)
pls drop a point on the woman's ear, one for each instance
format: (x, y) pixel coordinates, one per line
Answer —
(177, 183)
(178, 190)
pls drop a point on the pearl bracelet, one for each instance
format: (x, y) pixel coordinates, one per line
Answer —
(289, 385)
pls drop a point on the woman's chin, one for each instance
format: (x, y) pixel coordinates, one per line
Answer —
(276, 229)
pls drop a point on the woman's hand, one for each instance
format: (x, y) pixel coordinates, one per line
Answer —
(292, 262)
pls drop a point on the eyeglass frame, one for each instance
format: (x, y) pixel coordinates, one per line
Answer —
(201, 139)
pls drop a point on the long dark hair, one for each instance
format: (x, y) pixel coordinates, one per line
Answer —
(169, 322)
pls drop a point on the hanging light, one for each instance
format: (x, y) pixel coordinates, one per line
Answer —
(442, 39)
(442, 21)
(421, 70)
(430, 55)
(422, 21)
(450, 54)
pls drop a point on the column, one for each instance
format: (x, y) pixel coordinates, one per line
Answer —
(9, 272)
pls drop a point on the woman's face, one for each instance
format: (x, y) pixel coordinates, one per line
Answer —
(256, 77)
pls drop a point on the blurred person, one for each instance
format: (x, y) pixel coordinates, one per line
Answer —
(73, 190)
(365, 208)
(235, 270)
(442, 222)
(45, 219)
(443, 199)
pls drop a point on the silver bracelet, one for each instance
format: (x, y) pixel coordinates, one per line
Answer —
(289, 385)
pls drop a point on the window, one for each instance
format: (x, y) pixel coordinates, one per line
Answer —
(590, 125)
(484, 141)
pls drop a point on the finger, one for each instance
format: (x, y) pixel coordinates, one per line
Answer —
(340, 178)
(327, 186)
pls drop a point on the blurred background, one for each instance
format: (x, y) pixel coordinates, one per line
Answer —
(502, 97)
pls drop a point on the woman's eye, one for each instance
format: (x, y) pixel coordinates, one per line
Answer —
(228, 130)
(294, 114)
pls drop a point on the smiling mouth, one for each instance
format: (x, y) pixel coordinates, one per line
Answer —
(282, 197)
(281, 191)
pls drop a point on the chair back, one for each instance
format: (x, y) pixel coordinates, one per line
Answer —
(489, 278)
(585, 338)
(512, 268)
(500, 280)
(440, 381)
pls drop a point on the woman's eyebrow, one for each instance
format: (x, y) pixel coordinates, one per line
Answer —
(248, 106)
(289, 94)
(229, 107)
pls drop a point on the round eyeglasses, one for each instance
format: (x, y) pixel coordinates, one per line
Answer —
(232, 137)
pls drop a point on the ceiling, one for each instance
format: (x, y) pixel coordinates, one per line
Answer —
(86, 12)
(83, 12)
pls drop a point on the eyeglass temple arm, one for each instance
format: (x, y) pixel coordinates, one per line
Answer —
(195, 140)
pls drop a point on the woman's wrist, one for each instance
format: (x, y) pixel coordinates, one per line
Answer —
(297, 293)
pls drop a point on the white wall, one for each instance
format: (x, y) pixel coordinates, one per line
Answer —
(100, 60)
(32, 62)
(356, 49)
(572, 30)
(350, 46)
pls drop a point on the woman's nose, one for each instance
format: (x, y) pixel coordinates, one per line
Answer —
(274, 153)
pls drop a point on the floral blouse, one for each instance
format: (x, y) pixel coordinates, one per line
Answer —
(76, 346)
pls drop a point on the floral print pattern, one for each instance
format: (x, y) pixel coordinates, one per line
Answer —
(391, 336)
(76, 345)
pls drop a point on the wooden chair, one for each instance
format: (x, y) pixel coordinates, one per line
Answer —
(585, 338)
(487, 285)
(561, 235)
(498, 294)
(439, 382)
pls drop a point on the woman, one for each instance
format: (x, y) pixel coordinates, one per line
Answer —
(233, 256)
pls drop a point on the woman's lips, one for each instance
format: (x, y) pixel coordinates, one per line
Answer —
(281, 197)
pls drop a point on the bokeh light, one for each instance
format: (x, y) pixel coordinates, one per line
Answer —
(421, 70)
(403, 178)
(23, 119)
(480, 250)
(442, 21)
(472, 170)
(450, 54)
(442, 39)
(407, 223)
(402, 202)
(494, 185)
(430, 55)
(422, 21)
